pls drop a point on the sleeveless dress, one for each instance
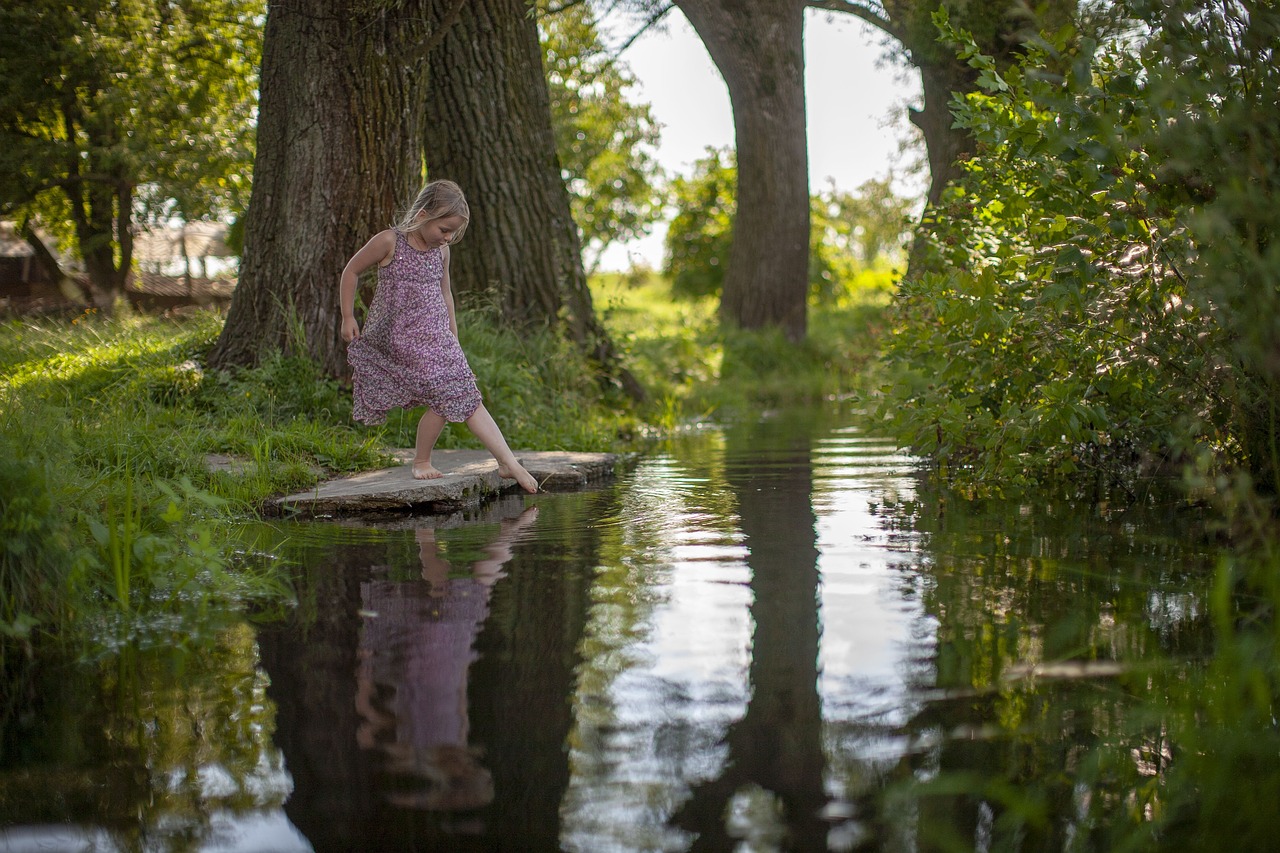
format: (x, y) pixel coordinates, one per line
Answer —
(406, 354)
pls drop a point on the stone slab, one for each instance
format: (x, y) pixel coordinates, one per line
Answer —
(470, 477)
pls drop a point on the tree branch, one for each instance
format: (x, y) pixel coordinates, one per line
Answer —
(865, 13)
(657, 15)
(556, 10)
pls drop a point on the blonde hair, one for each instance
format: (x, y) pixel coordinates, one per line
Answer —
(436, 200)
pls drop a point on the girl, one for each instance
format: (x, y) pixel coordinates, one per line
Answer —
(408, 354)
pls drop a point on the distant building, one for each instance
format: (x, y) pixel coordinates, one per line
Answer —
(173, 267)
(21, 275)
(185, 250)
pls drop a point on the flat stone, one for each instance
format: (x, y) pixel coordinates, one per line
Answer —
(470, 477)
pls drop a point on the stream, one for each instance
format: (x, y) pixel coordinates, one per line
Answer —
(761, 637)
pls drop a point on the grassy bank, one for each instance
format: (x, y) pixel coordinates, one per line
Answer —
(109, 509)
(696, 370)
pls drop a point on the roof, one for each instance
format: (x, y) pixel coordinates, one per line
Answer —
(12, 245)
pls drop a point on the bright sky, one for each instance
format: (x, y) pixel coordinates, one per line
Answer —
(856, 106)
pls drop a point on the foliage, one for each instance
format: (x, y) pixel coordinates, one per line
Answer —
(701, 232)
(108, 106)
(848, 231)
(606, 142)
(869, 224)
(1069, 323)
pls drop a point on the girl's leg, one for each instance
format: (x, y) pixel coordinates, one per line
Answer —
(486, 429)
(429, 429)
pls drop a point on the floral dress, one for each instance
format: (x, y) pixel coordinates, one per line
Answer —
(406, 354)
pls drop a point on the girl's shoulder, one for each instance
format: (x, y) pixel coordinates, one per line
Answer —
(385, 242)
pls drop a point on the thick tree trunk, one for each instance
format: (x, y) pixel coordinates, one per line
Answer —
(945, 145)
(489, 128)
(101, 212)
(758, 45)
(339, 150)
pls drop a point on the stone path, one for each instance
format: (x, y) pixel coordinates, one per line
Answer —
(470, 476)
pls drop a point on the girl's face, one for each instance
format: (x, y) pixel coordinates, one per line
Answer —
(440, 232)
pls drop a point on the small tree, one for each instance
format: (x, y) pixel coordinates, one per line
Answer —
(104, 105)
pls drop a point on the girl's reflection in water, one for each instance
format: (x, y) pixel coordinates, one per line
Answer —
(411, 677)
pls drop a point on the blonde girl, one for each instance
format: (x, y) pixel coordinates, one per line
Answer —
(408, 353)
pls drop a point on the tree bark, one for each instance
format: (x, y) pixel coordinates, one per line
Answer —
(488, 127)
(339, 150)
(758, 45)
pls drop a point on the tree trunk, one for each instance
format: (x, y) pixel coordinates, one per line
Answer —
(48, 262)
(758, 45)
(102, 212)
(998, 27)
(945, 145)
(339, 150)
(488, 127)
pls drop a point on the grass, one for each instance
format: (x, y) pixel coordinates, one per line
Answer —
(695, 369)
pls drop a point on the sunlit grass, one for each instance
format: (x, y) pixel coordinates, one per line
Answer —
(695, 369)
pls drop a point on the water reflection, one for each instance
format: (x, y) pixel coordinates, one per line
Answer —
(411, 680)
(421, 688)
(775, 636)
(774, 751)
(162, 748)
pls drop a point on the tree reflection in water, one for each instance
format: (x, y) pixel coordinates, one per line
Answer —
(777, 744)
(440, 722)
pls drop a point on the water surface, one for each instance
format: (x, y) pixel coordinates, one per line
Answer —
(758, 638)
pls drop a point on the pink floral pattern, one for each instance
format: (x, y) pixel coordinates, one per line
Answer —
(406, 354)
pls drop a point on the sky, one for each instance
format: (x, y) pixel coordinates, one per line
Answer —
(856, 106)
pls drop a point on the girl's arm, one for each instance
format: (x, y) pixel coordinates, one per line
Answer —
(377, 251)
(447, 290)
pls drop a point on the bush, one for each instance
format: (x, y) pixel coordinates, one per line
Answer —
(1082, 310)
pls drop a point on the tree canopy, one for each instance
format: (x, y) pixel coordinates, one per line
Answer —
(108, 109)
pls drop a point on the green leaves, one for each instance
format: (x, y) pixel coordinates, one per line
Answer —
(606, 143)
(105, 105)
(1061, 330)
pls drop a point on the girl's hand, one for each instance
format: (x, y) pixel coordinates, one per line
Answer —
(350, 329)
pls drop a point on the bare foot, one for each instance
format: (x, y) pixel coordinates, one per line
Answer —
(426, 471)
(515, 471)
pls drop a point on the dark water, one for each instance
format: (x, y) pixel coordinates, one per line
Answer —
(760, 638)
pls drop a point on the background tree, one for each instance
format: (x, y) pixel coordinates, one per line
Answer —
(488, 127)
(605, 142)
(339, 150)
(105, 103)
(700, 234)
(758, 46)
(872, 222)
(701, 231)
(759, 49)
